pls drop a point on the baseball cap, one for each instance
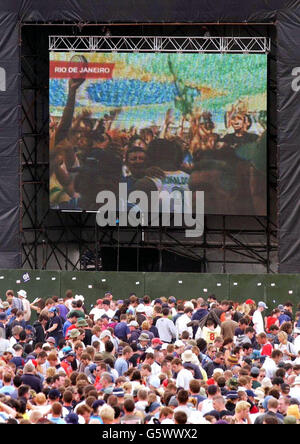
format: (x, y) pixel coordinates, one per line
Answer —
(173, 402)
(98, 403)
(158, 301)
(72, 418)
(262, 304)
(157, 341)
(153, 406)
(250, 393)
(179, 343)
(254, 371)
(119, 392)
(172, 300)
(51, 340)
(133, 324)
(2, 316)
(250, 302)
(280, 307)
(54, 394)
(99, 301)
(105, 333)
(66, 349)
(106, 302)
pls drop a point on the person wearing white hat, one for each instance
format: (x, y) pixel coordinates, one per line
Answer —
(26, 305)
(257, 319)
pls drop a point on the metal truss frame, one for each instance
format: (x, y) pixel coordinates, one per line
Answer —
(160, 44)
(49, 236)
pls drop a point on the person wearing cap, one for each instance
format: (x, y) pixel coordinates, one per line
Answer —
(26, 305)
(190, 361)
(105, 336)
(135, 332)
(257, 319)
(97, 311)
(140, 314)
(143, 342)
(84, 325)
(66, 363)
(55, 325)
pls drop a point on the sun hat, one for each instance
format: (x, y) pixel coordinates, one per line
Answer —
(22, 293)
(74, 333)
(82, 323)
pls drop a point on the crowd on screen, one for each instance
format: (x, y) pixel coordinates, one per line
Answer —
(89, 155)
(143, 361)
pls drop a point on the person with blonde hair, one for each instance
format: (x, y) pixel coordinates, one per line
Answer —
(286, 347)
(242, 413)
(107, 414)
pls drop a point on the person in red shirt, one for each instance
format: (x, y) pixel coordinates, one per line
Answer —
(66, 364)
(266, 346)
(272, 320)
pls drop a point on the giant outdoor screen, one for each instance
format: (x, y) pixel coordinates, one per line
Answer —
(158, 121)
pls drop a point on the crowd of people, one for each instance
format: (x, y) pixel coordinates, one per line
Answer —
(90, 155)
(143, 361)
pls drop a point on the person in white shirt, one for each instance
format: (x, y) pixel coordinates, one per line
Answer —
(105, 310)
(26, 305)
(166, 328)
(148, 306)
(257, 319)
(207, 405)
(271, 363)
(295, 390)
(297, 339)
(97, 311)
(182, 321)
(184, 376)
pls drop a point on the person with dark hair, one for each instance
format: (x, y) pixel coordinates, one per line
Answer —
(55, 325)
(166, 328)
(130, 416)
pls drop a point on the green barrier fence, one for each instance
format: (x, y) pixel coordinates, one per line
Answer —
(273, 289)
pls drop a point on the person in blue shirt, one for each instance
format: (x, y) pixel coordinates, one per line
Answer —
(122, 331)
(71, 320)
(122, 363)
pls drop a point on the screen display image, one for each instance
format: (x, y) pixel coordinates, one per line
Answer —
(159, 122)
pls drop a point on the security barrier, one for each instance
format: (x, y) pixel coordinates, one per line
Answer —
(273, 289)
